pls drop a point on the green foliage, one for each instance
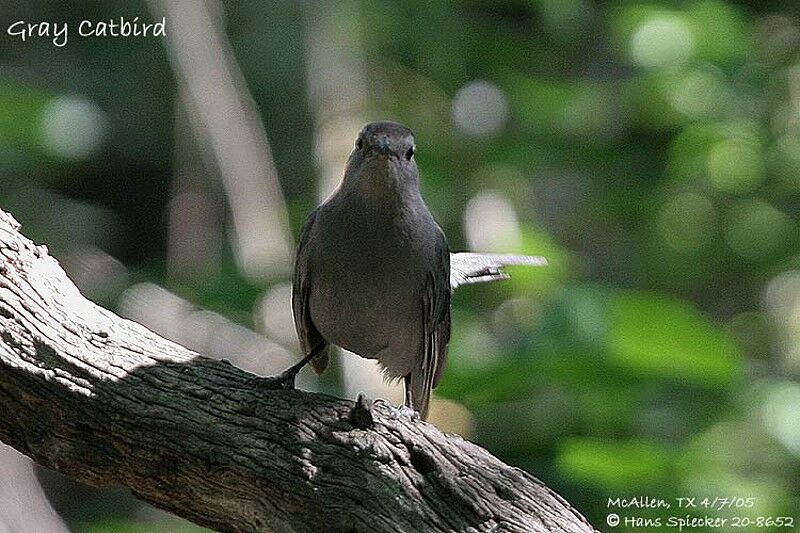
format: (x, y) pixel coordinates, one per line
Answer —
(617, 466)
(664, 337)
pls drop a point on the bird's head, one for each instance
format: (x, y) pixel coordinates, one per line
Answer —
(382, 159)
(385, 140)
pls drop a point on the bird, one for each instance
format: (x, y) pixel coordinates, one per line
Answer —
(373, 272)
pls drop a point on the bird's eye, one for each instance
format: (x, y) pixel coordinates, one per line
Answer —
(410, 152)
(359, 143)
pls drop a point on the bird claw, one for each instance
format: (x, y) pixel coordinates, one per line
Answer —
(404, 411)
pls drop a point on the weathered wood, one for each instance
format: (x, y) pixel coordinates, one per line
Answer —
(106, 401)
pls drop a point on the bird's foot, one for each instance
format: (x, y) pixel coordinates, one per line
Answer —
(404, 411)
(283, 381)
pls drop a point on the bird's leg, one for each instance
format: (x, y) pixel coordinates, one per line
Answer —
(407, 409)
(285, 380)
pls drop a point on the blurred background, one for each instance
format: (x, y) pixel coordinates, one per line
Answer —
(650, 149)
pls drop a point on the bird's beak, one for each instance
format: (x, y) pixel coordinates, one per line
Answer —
(383, 145)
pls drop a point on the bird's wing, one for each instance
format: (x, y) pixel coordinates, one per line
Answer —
(436, 332)
(468, 267)
(310, 338)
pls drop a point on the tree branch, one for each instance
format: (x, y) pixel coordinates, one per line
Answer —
(106, 401)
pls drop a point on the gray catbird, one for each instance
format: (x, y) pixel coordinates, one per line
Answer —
(373, 271)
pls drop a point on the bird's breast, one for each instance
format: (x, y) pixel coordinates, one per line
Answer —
(367, 277)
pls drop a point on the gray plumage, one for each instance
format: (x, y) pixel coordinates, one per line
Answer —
(373, 272)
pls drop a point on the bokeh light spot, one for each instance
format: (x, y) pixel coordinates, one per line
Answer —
(735, 165)
(661, 40)
(697, 93)
(756, 229)
(480, 108)
(781, 415)
(73, 127)
(490, 222)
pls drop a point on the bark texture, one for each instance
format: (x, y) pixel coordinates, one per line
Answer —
(106, 401)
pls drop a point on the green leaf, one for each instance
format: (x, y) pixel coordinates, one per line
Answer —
(615, 465)
(660, 336)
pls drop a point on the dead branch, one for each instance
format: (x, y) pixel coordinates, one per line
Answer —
(106, 401)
